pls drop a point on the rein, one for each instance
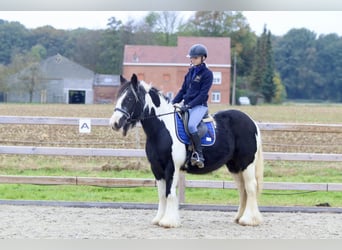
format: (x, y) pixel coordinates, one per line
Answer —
(130, 120)
(152, 116)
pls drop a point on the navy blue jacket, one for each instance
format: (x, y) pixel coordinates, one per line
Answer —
(196, 85)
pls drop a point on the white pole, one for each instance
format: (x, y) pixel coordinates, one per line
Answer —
(234, 80)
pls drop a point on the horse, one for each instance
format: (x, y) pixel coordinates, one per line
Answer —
(237, 145)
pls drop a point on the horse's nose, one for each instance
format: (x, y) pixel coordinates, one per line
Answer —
(113, 123)
(116, 126)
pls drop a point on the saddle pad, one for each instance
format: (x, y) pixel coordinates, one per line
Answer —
(207, 140)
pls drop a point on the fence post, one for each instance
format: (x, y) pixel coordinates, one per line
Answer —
(181, 187)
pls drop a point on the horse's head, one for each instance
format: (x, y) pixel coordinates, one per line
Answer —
(129, 105)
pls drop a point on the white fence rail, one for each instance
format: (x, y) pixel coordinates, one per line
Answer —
(114, 182)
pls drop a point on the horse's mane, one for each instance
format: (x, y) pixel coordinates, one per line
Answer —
(146, 87)
(160, 93)
(122, 88)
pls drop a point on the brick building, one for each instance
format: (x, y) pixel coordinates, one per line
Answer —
(165, 67)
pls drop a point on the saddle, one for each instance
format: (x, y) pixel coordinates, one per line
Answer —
(206, 129)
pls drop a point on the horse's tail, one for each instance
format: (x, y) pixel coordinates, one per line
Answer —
(259, 165)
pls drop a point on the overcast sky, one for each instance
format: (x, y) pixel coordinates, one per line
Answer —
(278, 22)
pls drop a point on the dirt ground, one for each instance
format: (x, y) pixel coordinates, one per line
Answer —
(44, 222)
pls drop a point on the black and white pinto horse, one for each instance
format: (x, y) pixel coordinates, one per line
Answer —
(237, 145)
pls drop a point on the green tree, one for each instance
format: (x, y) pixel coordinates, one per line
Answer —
(53, 40)
(263, 71)
(280, 91)
(214, 23)
(164, 25)
(4, 73)
(111, 47)
(295, 56)
(28, 74)
(83, 47)
(268, 87)
(329, 67)
(13, 37)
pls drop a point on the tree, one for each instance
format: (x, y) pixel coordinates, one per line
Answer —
(111, 47)
(329, 67)
(268, 87)
(13, 37)
(213, 23)
(53, 40)
(263, 69)
(29, 77)
(83, 47)
(4, 72)
(295, 56)
(280, 91)
(164, 24)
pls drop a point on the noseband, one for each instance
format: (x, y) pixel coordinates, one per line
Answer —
(124, 112)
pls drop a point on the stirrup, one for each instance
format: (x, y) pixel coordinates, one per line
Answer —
(196, 160)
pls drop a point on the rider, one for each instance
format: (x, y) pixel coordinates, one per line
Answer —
(194, 94)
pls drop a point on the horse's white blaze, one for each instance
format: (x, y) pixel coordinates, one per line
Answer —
(117, 115)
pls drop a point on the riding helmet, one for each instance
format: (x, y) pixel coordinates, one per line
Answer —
(198, 50)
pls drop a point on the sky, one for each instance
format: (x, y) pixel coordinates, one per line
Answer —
(278, 22)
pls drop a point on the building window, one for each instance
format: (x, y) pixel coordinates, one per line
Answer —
(216, 96)
(166, 77)
(135, 57)
(217, 77)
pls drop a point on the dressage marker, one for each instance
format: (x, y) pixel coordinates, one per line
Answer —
(237, 145)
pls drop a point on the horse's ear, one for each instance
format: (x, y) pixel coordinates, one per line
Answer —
(134, 81)
(122, 80)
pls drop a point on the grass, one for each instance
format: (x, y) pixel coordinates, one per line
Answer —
(277, 171)
(149, 195)
(274, 171)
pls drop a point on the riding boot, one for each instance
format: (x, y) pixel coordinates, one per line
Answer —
(197, 156)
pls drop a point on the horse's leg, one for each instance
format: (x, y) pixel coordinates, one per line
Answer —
(171, 216)
(162, 201)
(242, 194)
(251, 215)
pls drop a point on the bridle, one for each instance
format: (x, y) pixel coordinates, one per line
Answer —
(128, 115)
(124, 112)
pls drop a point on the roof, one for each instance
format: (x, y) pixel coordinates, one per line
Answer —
(218, 52)
(58, 66)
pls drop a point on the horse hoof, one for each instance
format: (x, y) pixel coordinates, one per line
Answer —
(254, 221)
(155, 222)
(169, 224)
